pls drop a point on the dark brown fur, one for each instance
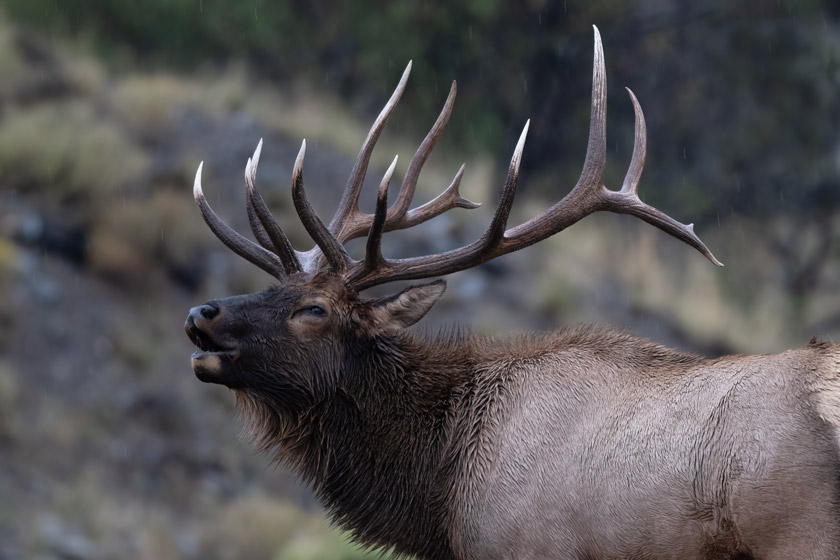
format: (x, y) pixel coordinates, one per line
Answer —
(575, 443)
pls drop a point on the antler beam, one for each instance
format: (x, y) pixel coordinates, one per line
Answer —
(588, 195)
(275, 255)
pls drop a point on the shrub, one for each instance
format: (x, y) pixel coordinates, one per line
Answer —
(67, 150)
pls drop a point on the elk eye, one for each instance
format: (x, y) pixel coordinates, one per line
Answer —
(315, 310)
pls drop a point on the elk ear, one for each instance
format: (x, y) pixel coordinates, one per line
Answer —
(409, 306)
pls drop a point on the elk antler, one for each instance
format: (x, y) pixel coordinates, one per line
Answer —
(275, 255)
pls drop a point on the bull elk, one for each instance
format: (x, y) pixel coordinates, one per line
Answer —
(580, 443)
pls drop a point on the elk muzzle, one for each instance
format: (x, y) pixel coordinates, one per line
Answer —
(213, 361)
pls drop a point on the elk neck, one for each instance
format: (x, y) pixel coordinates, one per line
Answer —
(372, 450)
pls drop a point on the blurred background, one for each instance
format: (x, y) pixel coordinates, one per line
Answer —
(110, 448)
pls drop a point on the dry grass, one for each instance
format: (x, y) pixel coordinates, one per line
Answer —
(743, 304)
(67, 150)
(133, 237)
(149, 103)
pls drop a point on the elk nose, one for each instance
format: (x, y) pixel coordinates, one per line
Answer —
(204, 312)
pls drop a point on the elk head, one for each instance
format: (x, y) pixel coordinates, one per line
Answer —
(292, 339)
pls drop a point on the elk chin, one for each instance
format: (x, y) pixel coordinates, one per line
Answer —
(216, 367)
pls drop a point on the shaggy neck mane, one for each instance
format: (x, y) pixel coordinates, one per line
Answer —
(404, 417)
(372, 449)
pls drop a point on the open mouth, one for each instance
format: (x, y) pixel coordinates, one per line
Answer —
(202, 340)
(211, 361)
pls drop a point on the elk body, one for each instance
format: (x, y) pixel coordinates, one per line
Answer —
(579, 443)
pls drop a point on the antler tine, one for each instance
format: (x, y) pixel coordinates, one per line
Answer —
(637, 162)
(447, 200)
(626, 201)
(256, 227)
(496, 231)
(263, 224)
(373, 249)
(330, 247)
(596, 148)
(348, 216)
(415, 166)
(237, 243)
